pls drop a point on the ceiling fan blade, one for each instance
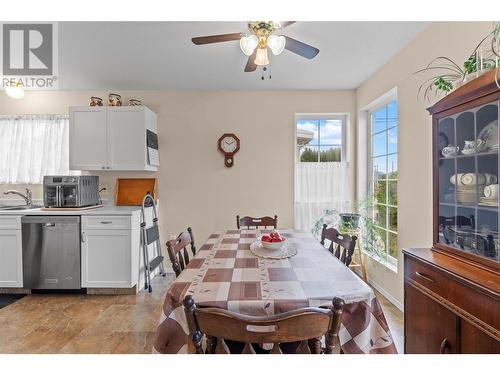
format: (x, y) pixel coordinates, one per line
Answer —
(216, 38)
(286, 23)
(251, 66)
(302, 49)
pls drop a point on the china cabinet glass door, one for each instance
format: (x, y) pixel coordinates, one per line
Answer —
(468, 181)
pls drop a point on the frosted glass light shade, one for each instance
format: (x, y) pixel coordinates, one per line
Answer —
(248, 44)
(261, 57)
(276, 43)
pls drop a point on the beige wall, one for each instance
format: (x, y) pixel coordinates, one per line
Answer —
(455, 40)
(194, 186)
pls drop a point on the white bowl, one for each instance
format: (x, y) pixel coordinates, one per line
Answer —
(272, 245)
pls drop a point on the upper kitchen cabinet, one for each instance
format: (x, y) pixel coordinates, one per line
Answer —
(113, 138)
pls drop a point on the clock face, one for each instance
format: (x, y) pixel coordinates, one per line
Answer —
(229, 145)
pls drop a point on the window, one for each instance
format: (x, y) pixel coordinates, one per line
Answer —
(320, 138)
(383, 160)
(33, 146)
(321, 170)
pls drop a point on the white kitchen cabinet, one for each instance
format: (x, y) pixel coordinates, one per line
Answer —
(109, 254)
(88, 149)
(11, 253)
(111, 251)
(110, 138)
(106, 259)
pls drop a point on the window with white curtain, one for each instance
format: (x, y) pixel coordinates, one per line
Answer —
(321, 171)
(32, 146)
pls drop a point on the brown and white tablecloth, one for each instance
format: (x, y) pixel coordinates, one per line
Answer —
(224, 273)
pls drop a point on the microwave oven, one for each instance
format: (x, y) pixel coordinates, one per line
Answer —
(70, 191)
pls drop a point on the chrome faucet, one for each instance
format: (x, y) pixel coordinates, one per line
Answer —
(26, 197)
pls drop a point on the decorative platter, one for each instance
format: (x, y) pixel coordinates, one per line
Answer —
(489, 135)
(287, 251)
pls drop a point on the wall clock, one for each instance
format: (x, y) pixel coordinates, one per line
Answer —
(229, 144)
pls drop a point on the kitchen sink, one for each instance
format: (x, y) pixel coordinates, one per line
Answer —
(18, 208)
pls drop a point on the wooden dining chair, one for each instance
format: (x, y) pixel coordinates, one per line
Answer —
(177, 251)
(306, 325)
(345, 244)
(256, 222)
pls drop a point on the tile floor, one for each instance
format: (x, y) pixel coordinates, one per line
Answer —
(103, 324)
(83, 323)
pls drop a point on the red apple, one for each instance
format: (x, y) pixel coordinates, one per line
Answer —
(266, 238)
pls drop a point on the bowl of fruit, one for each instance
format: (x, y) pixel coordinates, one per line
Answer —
(272, 241)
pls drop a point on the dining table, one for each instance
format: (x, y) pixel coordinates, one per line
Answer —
(225, 273)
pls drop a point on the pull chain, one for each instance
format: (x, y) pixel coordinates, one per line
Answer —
(264, 69)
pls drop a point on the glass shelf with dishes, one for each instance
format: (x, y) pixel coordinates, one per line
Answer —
(468, 181)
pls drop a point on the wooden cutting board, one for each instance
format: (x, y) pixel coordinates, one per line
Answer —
(131, 191)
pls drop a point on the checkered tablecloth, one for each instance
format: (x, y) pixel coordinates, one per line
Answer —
(225, 273)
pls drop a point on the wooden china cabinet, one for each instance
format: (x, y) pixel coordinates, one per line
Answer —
(452, 291)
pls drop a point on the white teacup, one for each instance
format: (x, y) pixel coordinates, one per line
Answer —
(450, 151)
(491, 191)
(472, 146)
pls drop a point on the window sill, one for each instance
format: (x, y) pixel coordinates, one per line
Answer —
(388, 264)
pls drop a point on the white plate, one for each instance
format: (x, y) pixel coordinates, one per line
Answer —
(288, 250)
(489, 135)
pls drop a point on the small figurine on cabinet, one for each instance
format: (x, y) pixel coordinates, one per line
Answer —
(114, 100)
(134, 102)
(95, 101)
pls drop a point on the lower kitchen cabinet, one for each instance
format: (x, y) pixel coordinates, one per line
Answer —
(11, 252)
(11, 258)
(109, 254)
(106, 259)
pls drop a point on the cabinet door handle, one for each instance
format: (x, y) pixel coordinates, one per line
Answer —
(106, 222)
(444, 346)
(424, 276)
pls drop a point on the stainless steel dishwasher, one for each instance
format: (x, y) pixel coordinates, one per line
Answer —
(51, 252)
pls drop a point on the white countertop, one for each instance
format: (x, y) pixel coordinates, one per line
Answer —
(106, 210)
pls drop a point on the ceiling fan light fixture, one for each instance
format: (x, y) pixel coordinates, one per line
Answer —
(276, 43)
(261, 58)
(248, 44)
(15, 90)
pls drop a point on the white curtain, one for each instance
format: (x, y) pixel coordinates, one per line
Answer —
(33, 146)
(319, 187)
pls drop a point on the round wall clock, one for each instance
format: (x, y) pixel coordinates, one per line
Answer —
(229, 144)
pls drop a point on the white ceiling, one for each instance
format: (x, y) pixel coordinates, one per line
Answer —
(160, 55)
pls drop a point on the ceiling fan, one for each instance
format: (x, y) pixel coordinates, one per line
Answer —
(261, 38)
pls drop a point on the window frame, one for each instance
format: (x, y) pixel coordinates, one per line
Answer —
(342, 117)
(389, 260)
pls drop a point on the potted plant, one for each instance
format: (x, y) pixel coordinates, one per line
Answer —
(448, 75)
(361, 220)
(349, 221)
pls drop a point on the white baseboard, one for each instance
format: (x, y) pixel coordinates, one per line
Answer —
(386, 294)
